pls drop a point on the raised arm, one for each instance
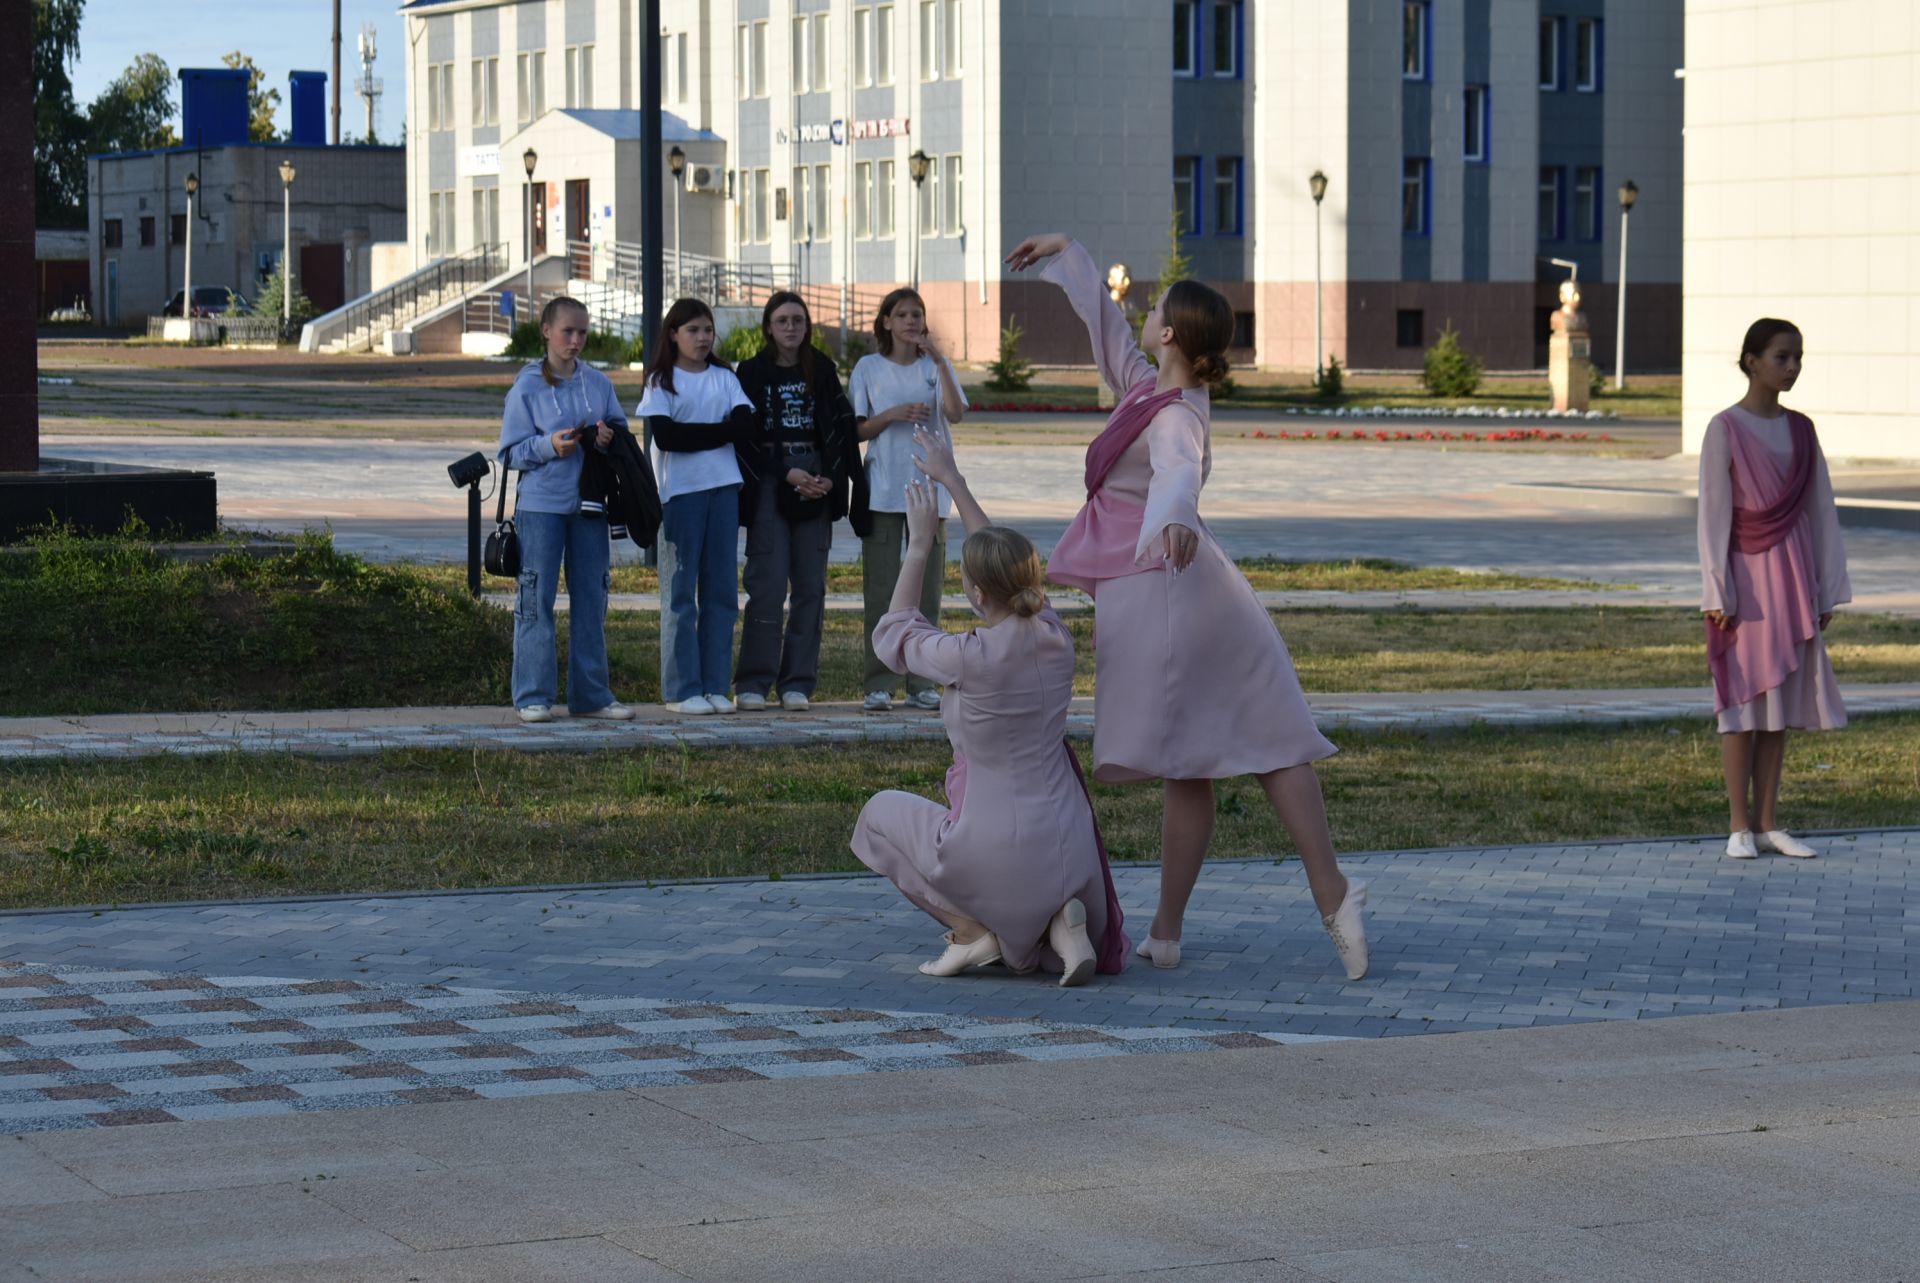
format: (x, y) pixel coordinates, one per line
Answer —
(1121, 362)
(935, 462)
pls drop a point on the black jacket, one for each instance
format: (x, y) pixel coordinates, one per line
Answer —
(834, 438)
(619, 482)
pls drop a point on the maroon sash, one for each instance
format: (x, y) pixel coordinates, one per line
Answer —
(1130, 419)
(1115, 948)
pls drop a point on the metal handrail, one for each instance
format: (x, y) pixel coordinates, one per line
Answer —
(409, 297)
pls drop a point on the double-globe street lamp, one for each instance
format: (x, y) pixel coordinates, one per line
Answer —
(919, 165)
(1317, 184)
(286, 244)
(1629, 192)
(531, 158)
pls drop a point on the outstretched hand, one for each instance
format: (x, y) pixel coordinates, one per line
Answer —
(1035, 248)
(935, 460)
(923, 516)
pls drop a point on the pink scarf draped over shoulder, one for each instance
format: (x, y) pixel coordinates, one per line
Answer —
(1773, 534)
(1102, 541)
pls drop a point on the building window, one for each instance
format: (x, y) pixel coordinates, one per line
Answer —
(1186, 194)
(110, 232)
(802, 25)
(486, 92)
(883, 44)
(762, 204)
(1473, 103)
(1186, 38)
(1586, 202)
(760, 59)
(176, 229)
(1242, 330)
(486, 215)
(1415, 196)
(929, 40)
(533, 86)
(680, 64)
(439, 96)
(579, 76)
(1553, 204)
(884, 188)
(743, 60)
(1409, 327)
(863, 200)
(928, 219)
(1415, 38)
(1226, 195)
(1226, 38)
(863, 47)
(950, 44)
(146, 231)
(1586, 55)
(802, 206)
(1551, 30)
(741, 191)
(822, 46)
(823, 202)
(952, 211)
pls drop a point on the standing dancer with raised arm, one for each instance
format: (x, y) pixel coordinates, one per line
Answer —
(1193, 683)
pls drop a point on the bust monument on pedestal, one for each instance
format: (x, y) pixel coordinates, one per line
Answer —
(1569, 359)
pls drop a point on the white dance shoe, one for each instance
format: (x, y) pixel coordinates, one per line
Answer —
(1162, 953)
(1348, 932)
(1781, 842)
(1067, 933)
(1740, 846)
(960, 957)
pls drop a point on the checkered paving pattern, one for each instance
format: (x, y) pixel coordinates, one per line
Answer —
(115, 1048)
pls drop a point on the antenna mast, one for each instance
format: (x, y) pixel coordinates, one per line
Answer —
(367, 87)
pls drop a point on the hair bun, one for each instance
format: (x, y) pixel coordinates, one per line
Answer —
(1028, 602)
(1210, 367)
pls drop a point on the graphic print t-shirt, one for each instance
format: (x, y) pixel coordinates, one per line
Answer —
(790, 423)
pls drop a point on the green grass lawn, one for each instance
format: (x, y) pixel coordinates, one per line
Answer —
(1653, 397)
(79, 832)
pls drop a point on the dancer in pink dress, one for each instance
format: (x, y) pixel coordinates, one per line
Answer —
(1014, 867)
(1194, 683)
(1772, 569)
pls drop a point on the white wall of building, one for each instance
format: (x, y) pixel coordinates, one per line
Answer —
(1803, 201)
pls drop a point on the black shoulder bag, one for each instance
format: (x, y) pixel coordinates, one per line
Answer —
(502, 556)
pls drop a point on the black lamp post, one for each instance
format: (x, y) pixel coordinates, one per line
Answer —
(1629, 193)
(918, 166)
(1317, 184)
(186, 299)
(530, 158)
(677, 163)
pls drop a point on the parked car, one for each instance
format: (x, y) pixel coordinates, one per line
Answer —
(208, 300)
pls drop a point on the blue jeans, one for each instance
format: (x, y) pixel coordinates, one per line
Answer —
(699, 592)
(546, 539)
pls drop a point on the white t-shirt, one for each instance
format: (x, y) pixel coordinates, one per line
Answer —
(878, 384)
(698, 396)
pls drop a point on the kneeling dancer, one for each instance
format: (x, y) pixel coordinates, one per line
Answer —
(1015, 869)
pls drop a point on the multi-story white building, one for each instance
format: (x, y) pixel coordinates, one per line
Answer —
(1803, 202)
(1463, 144)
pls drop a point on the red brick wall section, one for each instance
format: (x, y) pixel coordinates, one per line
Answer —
(19, 358)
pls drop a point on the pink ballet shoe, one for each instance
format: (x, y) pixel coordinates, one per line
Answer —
(1162, 953)
(1348, 932)
(1067, 933)
(959, 957)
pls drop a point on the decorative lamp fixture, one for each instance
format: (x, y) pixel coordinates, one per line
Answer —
(1629, 193)
(531, 158)
(1318, 184)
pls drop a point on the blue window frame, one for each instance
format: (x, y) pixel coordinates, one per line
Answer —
(1553, 203)
(1186, 37)
(1416, 40)
(1476, 119)
(1227, 57)
(1552, 42)
(1587, 204)
(1416, 196)
(1186, 193)
(1588, 57)
(1229, 195)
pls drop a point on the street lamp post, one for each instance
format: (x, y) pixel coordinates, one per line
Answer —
(531, 158)
(286, 244)
(918, 166)
(1629, 192)
(1317, 184)
(186, 299)
(677, 162)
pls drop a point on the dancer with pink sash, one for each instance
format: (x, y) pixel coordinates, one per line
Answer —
(1013, 865)
(1194, 683)
(1773, 567)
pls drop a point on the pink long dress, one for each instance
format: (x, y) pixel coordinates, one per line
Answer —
(1192, 679)
(1018, 840)
(1776, 674)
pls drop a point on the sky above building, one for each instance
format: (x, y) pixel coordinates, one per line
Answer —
(280, 36)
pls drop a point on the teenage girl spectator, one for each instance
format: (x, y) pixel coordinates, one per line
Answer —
(558, 407)
(1773, 569)
(797, 467)
(905, 383)
(695, 413)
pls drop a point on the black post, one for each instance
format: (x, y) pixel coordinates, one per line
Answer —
(652, 214)
(473, 536)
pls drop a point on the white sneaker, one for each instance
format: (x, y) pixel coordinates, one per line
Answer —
(795, 702)
(614, 712)
(1781, 842)
(750, 701)
(877, 702)
(1067, 933)
(1740, 846)
(721, 704)
(698, 706)
(536, 713)
(1348, 932)
(929, 700)
(959, 957)
(1162, 953)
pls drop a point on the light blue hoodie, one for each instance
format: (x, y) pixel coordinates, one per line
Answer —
(535, 411)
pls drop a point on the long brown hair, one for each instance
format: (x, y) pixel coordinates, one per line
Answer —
(660, 368)
(882, 336)
(779, 300)
(1202, 324)
(547, 313)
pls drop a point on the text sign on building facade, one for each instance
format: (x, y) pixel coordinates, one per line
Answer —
(479, 162)
(890, 127)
